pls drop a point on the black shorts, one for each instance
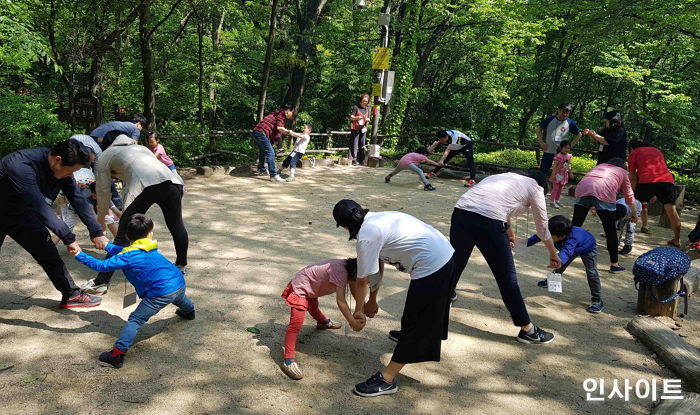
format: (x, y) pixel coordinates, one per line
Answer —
(425, 317)
(664, 191)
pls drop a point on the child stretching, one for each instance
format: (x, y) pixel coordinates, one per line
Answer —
(302, 293)
(561, 171)
(298, 152)
(573, 242)
(411, 161)
(158, 282)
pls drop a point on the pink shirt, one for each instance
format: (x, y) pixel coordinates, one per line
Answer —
(603, 182)
(561, 175)
(412, 158)
(503, 196)
(320, 279)
(159, 151)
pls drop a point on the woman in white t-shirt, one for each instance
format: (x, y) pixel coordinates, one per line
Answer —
(481, 219)
(414, 247)
(298, 152)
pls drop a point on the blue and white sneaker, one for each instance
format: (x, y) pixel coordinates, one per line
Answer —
(596, 307)
(375, 386)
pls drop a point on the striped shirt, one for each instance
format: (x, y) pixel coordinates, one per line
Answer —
(269, 124)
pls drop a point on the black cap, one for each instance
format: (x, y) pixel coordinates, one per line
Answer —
(343, 212)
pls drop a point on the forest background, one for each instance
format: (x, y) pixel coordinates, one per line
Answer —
(490, 68)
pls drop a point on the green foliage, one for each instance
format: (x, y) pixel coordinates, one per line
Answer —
(28, 122)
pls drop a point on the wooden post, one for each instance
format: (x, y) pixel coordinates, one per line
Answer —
(679, 190)
(329, 139)
(647, 304)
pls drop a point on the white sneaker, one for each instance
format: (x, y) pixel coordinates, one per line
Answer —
(95, 289)
(277, 178)
(554, 205)
(559, 204)
(290, 178)
(182, 268)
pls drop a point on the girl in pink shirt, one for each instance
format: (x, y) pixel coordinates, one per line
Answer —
(159, 151)
(301, 295)
(560, 172)
(411, 161)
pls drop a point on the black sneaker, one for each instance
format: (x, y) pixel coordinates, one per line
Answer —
(80, 299)
(387, 179)
(542, 283)
(538, 337)
(186, 316)
(626, 250)
(429, 187)
(375, 386)
(453, 299)
(394, 335)
(114, 357)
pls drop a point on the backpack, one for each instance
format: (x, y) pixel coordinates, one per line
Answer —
(661, 265)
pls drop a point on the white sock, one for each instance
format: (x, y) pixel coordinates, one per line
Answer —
(531, 331)
(291, 172)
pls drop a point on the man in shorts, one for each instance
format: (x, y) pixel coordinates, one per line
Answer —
(650, 176)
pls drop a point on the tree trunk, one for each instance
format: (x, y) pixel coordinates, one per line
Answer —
(215, 41)
(200, 78)
(268, 57)
(305, 46)
(149, 88)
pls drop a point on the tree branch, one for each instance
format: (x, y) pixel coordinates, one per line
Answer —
(167, 16)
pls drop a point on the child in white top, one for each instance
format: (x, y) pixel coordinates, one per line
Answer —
(299, 150)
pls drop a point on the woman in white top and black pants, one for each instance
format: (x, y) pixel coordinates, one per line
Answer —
(481, 218)
(414, 247)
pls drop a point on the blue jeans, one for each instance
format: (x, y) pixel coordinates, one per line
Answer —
(546, 162)
(265, 153)
(147, 308)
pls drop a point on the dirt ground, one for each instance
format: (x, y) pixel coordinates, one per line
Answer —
(248, 237)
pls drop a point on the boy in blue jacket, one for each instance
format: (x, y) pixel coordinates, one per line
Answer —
(572, 242)
(158, 282)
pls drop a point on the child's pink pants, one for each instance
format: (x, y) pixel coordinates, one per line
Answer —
(296, 320)
(556, 191)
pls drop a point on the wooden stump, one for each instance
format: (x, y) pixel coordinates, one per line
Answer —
(375, 162)
(647, 304)
(689, 405)
(675, 352)
(205, 171)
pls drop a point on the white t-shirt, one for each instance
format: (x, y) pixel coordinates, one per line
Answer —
(457, 137)
(398, 239)
(300, 145)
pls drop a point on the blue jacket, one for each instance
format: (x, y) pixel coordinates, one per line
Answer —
(28, 186)
(146, 269)
(578, 242)
(109, 131)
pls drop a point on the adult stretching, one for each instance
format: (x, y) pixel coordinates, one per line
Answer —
(457, 143)
(28, 179)
(267, 133)
(146, 181)
(416, 248)
(481, 218)
(553, 130)
(359, 120)
(649, 176)
(598, 189)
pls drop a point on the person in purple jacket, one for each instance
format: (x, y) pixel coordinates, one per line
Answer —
(573, 242)
(158, 282)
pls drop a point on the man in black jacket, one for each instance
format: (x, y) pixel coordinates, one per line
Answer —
(29, 181)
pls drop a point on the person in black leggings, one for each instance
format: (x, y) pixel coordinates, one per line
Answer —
(599, 190)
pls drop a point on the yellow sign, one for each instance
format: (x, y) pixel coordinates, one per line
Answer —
(377, 90)
(380, 58)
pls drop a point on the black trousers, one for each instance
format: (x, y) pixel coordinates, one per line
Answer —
(607, 218)
(426, 314)
(168, 196)
(469, 229)
(468, 153)
(28, 231)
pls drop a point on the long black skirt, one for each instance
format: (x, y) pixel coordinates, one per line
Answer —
(425, 319)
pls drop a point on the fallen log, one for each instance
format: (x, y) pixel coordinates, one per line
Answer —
(689, 405)
(675, 352)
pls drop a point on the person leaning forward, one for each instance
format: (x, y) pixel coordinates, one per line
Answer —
(29, 180)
